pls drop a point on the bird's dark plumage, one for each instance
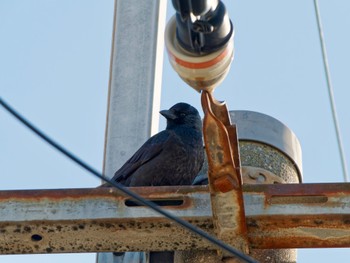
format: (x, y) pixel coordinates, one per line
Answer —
(171, 157)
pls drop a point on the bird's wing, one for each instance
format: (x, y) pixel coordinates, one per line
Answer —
(149, 150)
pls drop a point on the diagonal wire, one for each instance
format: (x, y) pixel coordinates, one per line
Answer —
(220, 244)
(330, 92)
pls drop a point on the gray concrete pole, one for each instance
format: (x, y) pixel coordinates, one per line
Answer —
(134, 86)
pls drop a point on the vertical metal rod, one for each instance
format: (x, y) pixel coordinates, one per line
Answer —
(134, 84)
(330, 92)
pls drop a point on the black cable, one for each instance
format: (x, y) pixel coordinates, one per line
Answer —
(139, 199)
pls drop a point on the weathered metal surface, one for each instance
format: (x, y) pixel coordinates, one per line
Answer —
(96, 220)
(225, 182)
(298, 216)
(221, 165)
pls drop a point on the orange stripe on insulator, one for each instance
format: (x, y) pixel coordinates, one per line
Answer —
(200, 65)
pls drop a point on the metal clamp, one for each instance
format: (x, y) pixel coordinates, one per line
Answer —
(256, 175)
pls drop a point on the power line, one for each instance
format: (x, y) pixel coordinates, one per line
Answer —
(139, 199)
(330, 92)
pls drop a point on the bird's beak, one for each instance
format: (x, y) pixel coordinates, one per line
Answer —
(168, 114)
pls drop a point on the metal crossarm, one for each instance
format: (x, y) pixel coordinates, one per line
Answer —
(96, 220)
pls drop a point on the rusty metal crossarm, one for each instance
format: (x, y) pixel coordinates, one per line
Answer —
(96, 220)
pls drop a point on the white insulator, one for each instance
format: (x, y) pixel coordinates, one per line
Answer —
(201, 72)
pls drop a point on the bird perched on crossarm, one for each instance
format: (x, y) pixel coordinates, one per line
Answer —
(174, 156)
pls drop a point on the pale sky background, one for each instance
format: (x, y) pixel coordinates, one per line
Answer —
(54, 68)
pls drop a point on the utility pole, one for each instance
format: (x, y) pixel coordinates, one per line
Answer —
(279, 216)
(135, 83)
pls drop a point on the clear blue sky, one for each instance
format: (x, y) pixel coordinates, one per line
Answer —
(54, 68)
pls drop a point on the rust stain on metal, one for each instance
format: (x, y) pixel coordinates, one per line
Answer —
(80, 193)
(132, 230)
(305, 193)
(225, 181)
(318, 216)
(298, 219)
(307, 231)
(301, 189)
(99, 236)
(218, 142)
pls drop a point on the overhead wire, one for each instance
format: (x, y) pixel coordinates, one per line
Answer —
(220, 244)
(330, 92)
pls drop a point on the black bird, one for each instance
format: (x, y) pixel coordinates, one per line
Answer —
(171, 157)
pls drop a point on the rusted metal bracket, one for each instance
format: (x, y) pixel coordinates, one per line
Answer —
(225, 182)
